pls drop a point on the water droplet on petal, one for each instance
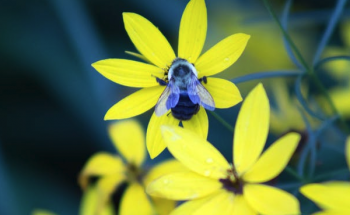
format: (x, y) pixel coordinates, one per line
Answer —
(209, 160)
(175, 137)
(207, 172)
(166, 181)
(226, 59)
(194, 196)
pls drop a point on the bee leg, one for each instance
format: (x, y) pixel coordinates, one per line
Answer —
(204, 79)
(161, 82)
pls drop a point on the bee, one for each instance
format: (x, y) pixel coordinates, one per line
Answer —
(184, 93)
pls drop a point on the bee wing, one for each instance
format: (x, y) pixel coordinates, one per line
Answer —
(168, 99)
(199, 95)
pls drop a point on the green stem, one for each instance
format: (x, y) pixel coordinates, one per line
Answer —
(286, 35)
(222, 121)
(309, 71)
(294, 173)
(325, 93)
(330, 174)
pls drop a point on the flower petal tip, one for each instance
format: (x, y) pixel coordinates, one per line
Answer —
(295, 135)
(247, 36)
(126, 14)
(239, 99)
(260, 90)
(107, 117)
(260, 85)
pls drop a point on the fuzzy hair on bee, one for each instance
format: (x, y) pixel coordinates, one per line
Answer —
(184, 93)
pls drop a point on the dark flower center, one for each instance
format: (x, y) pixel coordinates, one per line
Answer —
(232, 183)
(133, 173)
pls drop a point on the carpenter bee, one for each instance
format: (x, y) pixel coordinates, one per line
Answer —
(184, 92)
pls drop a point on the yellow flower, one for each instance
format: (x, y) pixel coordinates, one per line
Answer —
(112, 171)
(339, 69)
(333, 197)
(42, 212)
(87, 205)
(217, 187)
(153, 76)
(286, 115)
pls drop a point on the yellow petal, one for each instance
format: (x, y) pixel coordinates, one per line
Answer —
(182, 186)
(154, 140)
(334, 195)
(135, 201)
(345, 26)
(89, 201)
(129, 138)
(137, 55)
(163, 206)
(281, 95)
(135, 104)
(285, 115)
(224, 93)
(193, 30)
(218, 203)
(241, 206)
(251, 129)
(274, 159)
(195, 152)
(278, 122)
(101, 164)
(148, 40)
(164, 168)
(222, 55)
(269, 200)
(347, 151)
(106, 186)
(42, 212)
(190, 207)
(331, 213)
(128, 72)
(340, 98)
(198, 123)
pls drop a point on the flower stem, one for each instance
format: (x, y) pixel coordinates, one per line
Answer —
(294, 173)
(330, 174)
(222, 121)
(286, 35)
(261, 75)
(308, 70)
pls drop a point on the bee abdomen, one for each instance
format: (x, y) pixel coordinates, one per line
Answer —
(185, 109)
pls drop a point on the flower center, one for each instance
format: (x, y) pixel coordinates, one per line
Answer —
(233, 183)
(133, 173)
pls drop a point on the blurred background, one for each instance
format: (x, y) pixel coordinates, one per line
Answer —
(52, 102)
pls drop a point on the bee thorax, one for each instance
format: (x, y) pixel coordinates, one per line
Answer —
(181, 68)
